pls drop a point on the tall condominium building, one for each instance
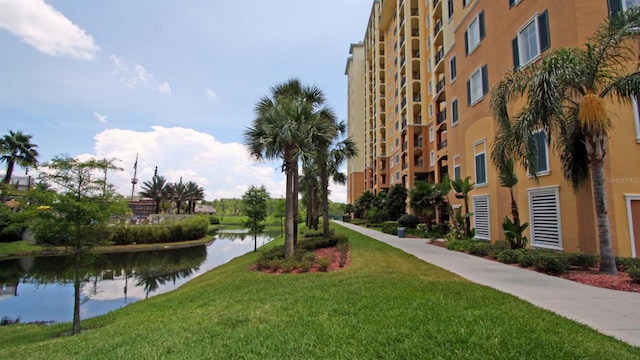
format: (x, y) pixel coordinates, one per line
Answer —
(423, 107)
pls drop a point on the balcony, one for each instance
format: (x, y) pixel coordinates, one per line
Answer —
(442, 145)
(440, 85)
(404, 123)
(439, 55)
(405, 146)
(415, 33)
(442, 116)
(403, 103)
(416, 54)
(403, 60)
(405, 166)
(417, 120)
(415, 76)
(438, 26)
(419, 143)
(417, 98)
(435, 3)
(403, 81)
(414, 11)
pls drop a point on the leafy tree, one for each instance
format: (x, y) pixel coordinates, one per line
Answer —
(565, 96)
(365, 201)
(77, 215)
(157, 189)
(396, 202)
(254, 203)
(16, 148)
(462, 187)
(426, 198)
(282, 130)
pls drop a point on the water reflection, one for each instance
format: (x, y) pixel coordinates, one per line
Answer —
(38, 289)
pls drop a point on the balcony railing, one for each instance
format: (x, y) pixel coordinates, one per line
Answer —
(415, 76)
(439, 55)
(442, 145)
(404, 166)
(416, 53)
(438, 26)
(435, 2)
(414, 12)
(402, 61)
(403, 81)
(419, 143)
(415, 33)
(417, 120)
(405, 146)
(404, 102)
(440, 85)
(417, 98)
(442, 116)
(404, 123)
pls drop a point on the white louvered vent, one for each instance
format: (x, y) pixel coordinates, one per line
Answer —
(544, 208)
(481, 216)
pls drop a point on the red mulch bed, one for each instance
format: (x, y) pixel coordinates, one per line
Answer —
(331, 252)
(592, 277)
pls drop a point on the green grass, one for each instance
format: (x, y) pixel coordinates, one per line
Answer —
(387, 305)
(19, 247)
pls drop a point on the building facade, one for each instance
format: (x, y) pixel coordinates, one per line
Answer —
(429, 69)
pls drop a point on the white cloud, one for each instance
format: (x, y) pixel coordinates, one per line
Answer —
(224, 170)
(101, 118)
(211, 93)
(46, 29)
(135, 75)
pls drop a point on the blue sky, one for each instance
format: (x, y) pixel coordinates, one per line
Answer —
(174, 81)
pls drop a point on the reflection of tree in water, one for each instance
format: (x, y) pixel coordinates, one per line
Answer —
(152, 279)
(245, 235)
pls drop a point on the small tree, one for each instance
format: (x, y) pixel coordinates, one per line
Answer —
(77, 215)
(396, 202)
(254, 206)
(462, 189)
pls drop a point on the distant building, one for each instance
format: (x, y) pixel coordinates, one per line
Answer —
(142, 208)
(22, 183)
(205, 209)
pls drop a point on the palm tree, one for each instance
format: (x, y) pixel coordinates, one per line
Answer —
(565, 97)
(16, 148)
(178, 193)
(156, 189)
(462, 189)
(194, 193)
(281, 130)
(509, 180)
(426, 199)
(310, 192)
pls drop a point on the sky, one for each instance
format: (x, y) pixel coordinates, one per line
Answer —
(172, 81)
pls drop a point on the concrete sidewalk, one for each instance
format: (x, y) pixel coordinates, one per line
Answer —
(611, 312)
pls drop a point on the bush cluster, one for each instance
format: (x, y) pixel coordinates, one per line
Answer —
(390, 227)
(214, 220)
(409, 221)
(189, 229)
(303, 256)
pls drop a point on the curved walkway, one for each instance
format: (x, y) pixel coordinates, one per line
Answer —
(611, 312)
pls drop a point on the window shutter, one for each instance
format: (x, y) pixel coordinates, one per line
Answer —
(466, 43)
(516, 54)
(481, 216)
(545, 218)
(511, 2)
(481, 23)
(615, 6)
(543, 29)
(468, 92)
(485, 80)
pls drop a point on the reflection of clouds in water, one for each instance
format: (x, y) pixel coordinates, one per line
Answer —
(46, 302)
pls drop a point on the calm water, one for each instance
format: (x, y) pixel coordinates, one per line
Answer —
(41, 288)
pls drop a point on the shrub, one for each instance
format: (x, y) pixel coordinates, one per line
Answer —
(510, 256)
(513, 233)
(480, 248)
(459, 245)
(624, 264)
(552, 263)
(634, 273)
(214, 220)
(582, 260)
(344, 251)
(528, 258)
(390, 227)
(324, 262)
(409, 221)
(289, 265)
(498, 247)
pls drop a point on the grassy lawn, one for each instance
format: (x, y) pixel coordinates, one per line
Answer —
(387, 305)
(19, 247)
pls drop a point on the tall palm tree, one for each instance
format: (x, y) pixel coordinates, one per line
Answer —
(281, 130)
(310, 194)
(509, 180)
(565, 96)
(426, 199)
(178, 193)
(156, 189)
(16, 148)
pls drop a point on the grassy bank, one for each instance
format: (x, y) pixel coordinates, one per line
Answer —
(386, 305)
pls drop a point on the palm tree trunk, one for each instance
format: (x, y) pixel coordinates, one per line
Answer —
(607, 259)
(7, 175)
(467, 219)
(294, 199)
(324, 181)
(289, 209)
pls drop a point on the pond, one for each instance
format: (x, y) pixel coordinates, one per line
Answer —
(40, 289)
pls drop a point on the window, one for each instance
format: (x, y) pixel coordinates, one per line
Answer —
(397, 175)
(620, 5)
(475, 32)
(397, 158)
(465, 2)
(429, 88)
(432, 158)
(481, 216)
(429, 64)
(453, 72)
(450, 9)
(454, 112)
(397, 142)
(430, 111)
(480, 155)
(431, 135)
(477, 85)
(532, 39)
(512, 3)
(542, 153)
(456, 167)
(544, 207)
(626, 4)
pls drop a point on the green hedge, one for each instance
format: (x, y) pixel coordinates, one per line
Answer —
(390, 227)
(189, 229)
